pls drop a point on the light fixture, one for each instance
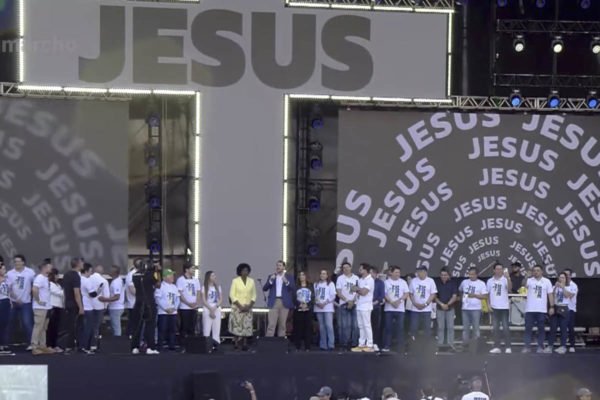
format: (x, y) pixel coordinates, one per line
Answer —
(585, 4)
(317, 122)
(553, 99)
(515, 99)
(519, 43)
(540, 3)
(595, 45)
(502, 3)
(316, 155)
(592, 100)
(557, 45)
(153, 120)
(314, 196)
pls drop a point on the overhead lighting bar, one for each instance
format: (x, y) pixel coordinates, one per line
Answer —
(286, 150)
(39, 88)
(309, 5)
(174, 92)
(85, 90)
(434, 10)
(130, 91)
(392, 99)
(351, 6)
(444, 101)
(310, 96)
(350, 98)
(197, 174)
(393, 8)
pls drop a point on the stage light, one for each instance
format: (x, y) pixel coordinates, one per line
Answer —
(515, 99)
(553, 100)
(154, 247)
(314, 196)
(316, 155)
(585, 4)
(557, 45)
(153, 120)
(502, 3)
(592, 100)
(595, 45)
(154, 202)
(519, 43)
(317, 123)
(313, 250)
(540, 3)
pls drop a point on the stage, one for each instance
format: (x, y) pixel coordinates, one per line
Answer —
(299, 375)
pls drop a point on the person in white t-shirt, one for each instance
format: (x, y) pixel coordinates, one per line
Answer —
(561, 314)
(364, 305)
(190, 291)
(212, 298)
(347, 322)
(422, 295)
(88, 292)
(324, 298)
(57, 301)
(41, 305)
(476, 390)
(116, 307)
(498, 287)
(472, 291)
(396, 293)
(4, 309)
(167, 301)
(20, 280)
(571, 292)
(100, 285)
(539, 294)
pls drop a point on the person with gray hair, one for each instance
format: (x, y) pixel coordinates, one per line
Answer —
(389, 394)
(584, 394)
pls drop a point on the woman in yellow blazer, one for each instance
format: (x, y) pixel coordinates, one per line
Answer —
(242, 296)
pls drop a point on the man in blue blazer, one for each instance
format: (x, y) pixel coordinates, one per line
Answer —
(280, 300)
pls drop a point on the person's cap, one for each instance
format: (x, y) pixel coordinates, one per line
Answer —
(325, 391)
(584, 392)
(422, 268)
(516, 264)
(388, 391)
(167, 272)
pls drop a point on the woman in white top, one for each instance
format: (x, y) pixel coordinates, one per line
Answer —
(561, 315)
(57, 301)
(4, 308)
(211, 310)
(324, 299)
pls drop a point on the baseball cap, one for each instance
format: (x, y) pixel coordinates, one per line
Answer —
(422, 268)
(584, 392)
(387, 391)
(167, 272)
(325, 391)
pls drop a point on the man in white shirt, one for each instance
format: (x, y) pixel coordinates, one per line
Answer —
(41, 305)
(20, 280)
(472, 290)
(422, 294)
(116, 308)
(364, 305)
(498, 287)
(167, 301)
(189, 289)
(87, 295)
(476, 393)
(571, 291)
(347, 323)
(396, 293)
(539, 294)
(100, 285)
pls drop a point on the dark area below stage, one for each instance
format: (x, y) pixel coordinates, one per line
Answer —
(299, 375)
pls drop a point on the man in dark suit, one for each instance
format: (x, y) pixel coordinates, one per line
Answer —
(280, 286)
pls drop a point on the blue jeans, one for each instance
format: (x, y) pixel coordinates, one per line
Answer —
(445, 323)
(470, 321)
(535, 319)
(115, 321)
(500, 320)
(326, 338)
(348, 326)
(420, 318)
(25, 313)
(4, 320)
(167, 326)
(556, 321)
(572, 328)
(394, 322)
(90, 321)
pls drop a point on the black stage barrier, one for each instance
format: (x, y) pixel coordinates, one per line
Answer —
(299, 375)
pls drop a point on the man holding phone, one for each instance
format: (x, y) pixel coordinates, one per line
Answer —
(280, 299)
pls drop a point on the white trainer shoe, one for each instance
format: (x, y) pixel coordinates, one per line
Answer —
(152, 352)
(135, 351)
(495, 350)
(508, 350)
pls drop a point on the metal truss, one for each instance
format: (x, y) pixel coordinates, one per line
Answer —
(392, 5)
(467, 103)
(547, 81)
(552, 27)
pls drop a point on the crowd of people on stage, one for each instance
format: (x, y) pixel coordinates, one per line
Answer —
(373, 311)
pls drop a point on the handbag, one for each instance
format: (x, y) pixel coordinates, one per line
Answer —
(562, 311)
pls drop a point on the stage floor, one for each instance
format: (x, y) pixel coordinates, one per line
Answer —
(299, 375)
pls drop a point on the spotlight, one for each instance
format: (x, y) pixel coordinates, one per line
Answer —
(153, 120)
(557, 45)
(154, 247)
(317, 123)
(515, 99)
(502, 3)
(154, 202)
(519, 43)
(595, 45)
(540, 3)
(553, 100)
(592, 100)
(313, 250)
(585, 4)
(316, 155)
(314, 196)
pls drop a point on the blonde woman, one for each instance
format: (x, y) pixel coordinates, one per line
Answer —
(211, 311)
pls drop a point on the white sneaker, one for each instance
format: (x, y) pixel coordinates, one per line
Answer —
(508, 350)
(547, 350)
(571, 349)
(561, 350)
(29, 348)
(375, 347)
(152, 352)
(135, 351)
(495, 350)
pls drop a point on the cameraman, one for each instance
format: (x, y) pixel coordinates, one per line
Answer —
(145, 280)
(476, 393)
